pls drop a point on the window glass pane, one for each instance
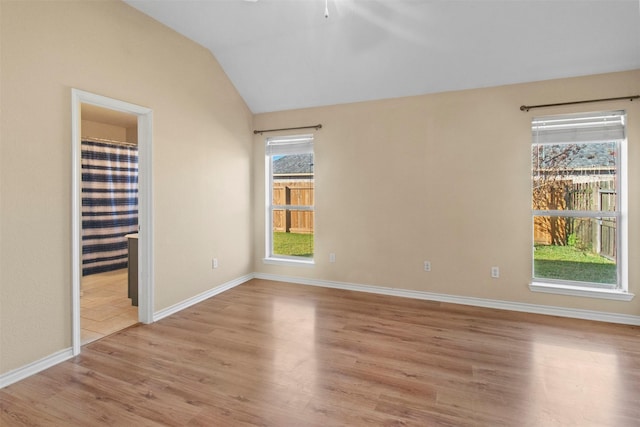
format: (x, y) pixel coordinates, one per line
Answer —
(293, 188)
(575, 249)
(574, 176)
(298, 240)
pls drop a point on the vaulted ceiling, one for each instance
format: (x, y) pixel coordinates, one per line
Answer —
(284, 54)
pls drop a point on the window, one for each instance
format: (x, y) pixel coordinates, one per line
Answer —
(290, 199)
(579, 203)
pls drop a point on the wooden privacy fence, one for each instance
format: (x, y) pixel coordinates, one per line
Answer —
(597, 235)
(293, 193)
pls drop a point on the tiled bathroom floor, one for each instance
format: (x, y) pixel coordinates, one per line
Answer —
(104, 306)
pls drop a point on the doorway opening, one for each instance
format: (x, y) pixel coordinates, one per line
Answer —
(109, 163)
(112, 221)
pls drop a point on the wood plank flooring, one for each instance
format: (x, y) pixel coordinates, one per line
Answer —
(276, 354)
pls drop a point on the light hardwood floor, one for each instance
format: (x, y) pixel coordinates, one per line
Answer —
(104, 305)
(277, 354)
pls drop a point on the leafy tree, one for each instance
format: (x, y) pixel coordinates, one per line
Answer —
(552, 183)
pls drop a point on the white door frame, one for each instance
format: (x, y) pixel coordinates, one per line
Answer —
(145, 199)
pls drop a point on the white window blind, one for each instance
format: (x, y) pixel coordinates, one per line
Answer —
(577, 128)
(282, 145)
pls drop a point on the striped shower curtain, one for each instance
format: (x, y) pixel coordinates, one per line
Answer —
(109, 204)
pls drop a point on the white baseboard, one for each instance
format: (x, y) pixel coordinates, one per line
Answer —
(478, 302)
(201, 297)
(33, 368)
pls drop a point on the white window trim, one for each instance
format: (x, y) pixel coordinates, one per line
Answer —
(281, 260)
(580, 291)
(270, 258)
(621, 291)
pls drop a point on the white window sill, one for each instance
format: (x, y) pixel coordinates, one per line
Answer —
(581, 291)
(289, 262)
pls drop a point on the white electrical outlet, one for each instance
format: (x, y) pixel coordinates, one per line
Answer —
(214, 263)
(495, 272)
(427, 266)
(332, 257)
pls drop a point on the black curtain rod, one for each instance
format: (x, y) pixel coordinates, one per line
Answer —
(316, 127)
(529, 107)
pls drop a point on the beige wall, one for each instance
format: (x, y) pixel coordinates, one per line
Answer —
(90, 129)
(201, 159)
(444, 178)
(132, 135)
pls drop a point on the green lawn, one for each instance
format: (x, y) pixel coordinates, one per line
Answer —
(293, 244)
(569, 263)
